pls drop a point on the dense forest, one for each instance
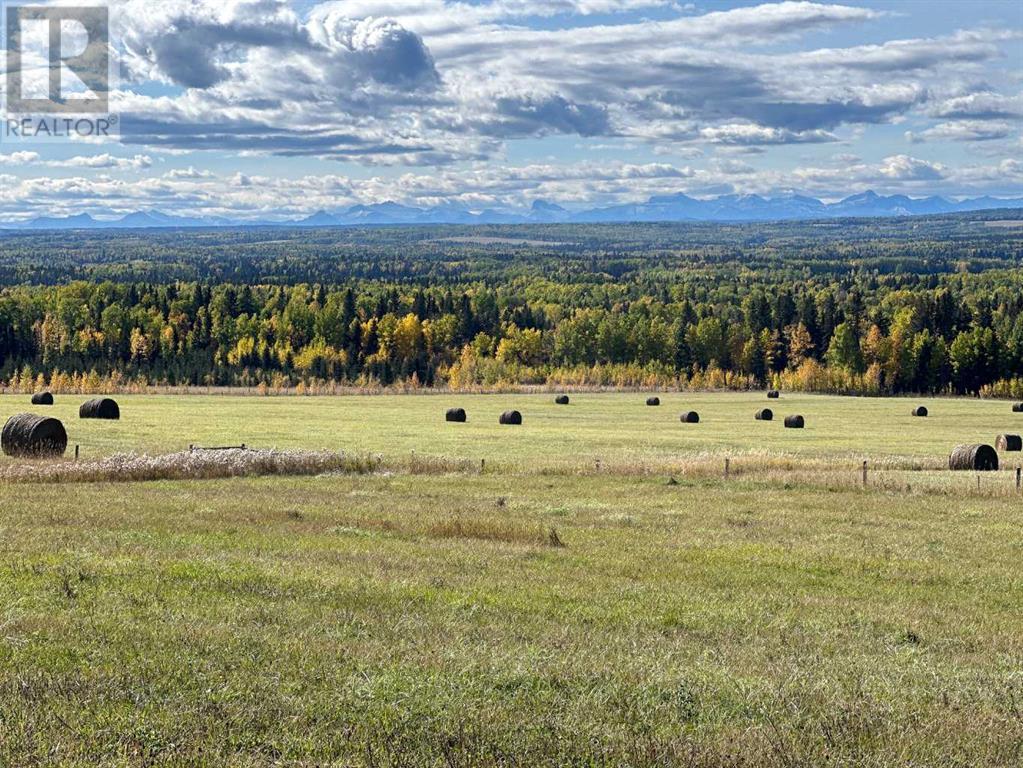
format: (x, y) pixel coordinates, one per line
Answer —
(872, 307)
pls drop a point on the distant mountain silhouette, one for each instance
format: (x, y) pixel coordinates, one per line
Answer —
(663, 208)
(82, 221)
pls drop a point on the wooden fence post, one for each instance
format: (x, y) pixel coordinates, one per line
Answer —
(728, 467)
(76, 453)
(864, 473)
(1019, 477)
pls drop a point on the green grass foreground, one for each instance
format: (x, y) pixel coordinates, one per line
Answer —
(536, 614)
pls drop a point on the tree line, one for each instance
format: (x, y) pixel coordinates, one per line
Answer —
(853, 332)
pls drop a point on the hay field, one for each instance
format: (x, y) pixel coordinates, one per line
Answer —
(617, 429)
(542, 613)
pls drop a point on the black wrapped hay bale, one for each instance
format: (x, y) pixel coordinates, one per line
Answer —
(513, 418)
(653, 401)
(456, 415)
(1009, 443)
(765, 414)
(973, 458)
(100, 408)
(1017, 408)
(29, 435)
(42, 398)
(690, 417)
(561, 400)
(795, 422)
(920, 411)
(774, 394)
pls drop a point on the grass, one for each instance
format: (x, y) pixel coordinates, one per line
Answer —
(184, 465)
(542, 613)
(610, 427)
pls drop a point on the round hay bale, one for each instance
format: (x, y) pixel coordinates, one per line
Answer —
(973, 458)
(920, 411)
(42, 398)
(456, 415)
(100, 408)
(765, 414)
(794, 422)
(653, 401)
(690, 417)
(774, 394)
(513, 418)
(1009, 443)
(561, 400)
(29, 435)
(1017, 408)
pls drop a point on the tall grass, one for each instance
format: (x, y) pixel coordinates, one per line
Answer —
(893, 474)
(186, 465)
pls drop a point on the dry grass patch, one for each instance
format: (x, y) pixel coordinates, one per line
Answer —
(201, 464)
(185, 465)
(887, 473)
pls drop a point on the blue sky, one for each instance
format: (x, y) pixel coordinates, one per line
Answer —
(256, 108)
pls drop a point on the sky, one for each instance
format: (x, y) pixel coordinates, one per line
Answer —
(263, 108)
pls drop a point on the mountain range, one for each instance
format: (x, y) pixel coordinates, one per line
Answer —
(669, 208)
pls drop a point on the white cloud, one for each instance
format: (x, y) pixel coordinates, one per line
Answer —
(19, 158)
(750, 134)
(444, 85)
(401, 82)
(980, 105)
(963, 130)
(104, 161)
(486, 186)
(906, 168)
(188, 173)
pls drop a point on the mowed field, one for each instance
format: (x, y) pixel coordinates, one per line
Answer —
(618, 429)
(548, 611)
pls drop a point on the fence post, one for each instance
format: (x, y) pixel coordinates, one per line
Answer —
(864, 473)
(483, 466)
(76, 453)
(728, 467)
(1019, 477)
